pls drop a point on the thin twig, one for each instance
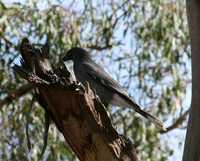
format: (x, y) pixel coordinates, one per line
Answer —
(177, 123)
(15, 94)
(99, 48)
(8, 42)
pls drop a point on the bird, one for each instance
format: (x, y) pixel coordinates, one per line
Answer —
(109, 91)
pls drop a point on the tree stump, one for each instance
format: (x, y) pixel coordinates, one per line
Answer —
(77, 112)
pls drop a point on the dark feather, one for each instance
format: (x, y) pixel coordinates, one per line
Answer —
(98, 74)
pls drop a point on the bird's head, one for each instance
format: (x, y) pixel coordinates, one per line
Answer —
(76, 54)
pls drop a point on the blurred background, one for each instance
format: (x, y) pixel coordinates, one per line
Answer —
(143, 44)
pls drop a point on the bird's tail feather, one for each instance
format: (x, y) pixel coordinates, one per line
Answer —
(126, 101)
(148, 116)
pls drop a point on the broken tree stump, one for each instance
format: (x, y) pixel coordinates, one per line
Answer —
(77, 112)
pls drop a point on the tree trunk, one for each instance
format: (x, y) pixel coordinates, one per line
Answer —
(77, 112)
(192, 143)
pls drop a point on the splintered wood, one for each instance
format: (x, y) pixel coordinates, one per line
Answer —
(76, 110)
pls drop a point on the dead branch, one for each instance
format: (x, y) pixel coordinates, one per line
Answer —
(177, 123)
(15, 94)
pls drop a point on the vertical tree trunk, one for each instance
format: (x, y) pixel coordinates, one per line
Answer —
(192, 143)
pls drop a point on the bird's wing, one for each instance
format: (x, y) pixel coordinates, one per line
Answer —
(97, 73)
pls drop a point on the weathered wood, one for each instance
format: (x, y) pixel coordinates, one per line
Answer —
(78, 114)
(85, 125)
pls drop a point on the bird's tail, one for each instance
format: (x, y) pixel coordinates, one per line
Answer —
(148, 116)
(126, 101)
(130, 103)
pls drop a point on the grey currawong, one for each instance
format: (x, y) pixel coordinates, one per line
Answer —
(109, 90)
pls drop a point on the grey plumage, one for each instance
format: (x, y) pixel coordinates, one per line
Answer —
(109, 90)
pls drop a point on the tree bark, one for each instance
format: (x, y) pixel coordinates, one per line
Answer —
(192, 143)
(83, 121)
(76, 110)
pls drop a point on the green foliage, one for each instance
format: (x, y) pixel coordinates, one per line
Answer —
(144, 44)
